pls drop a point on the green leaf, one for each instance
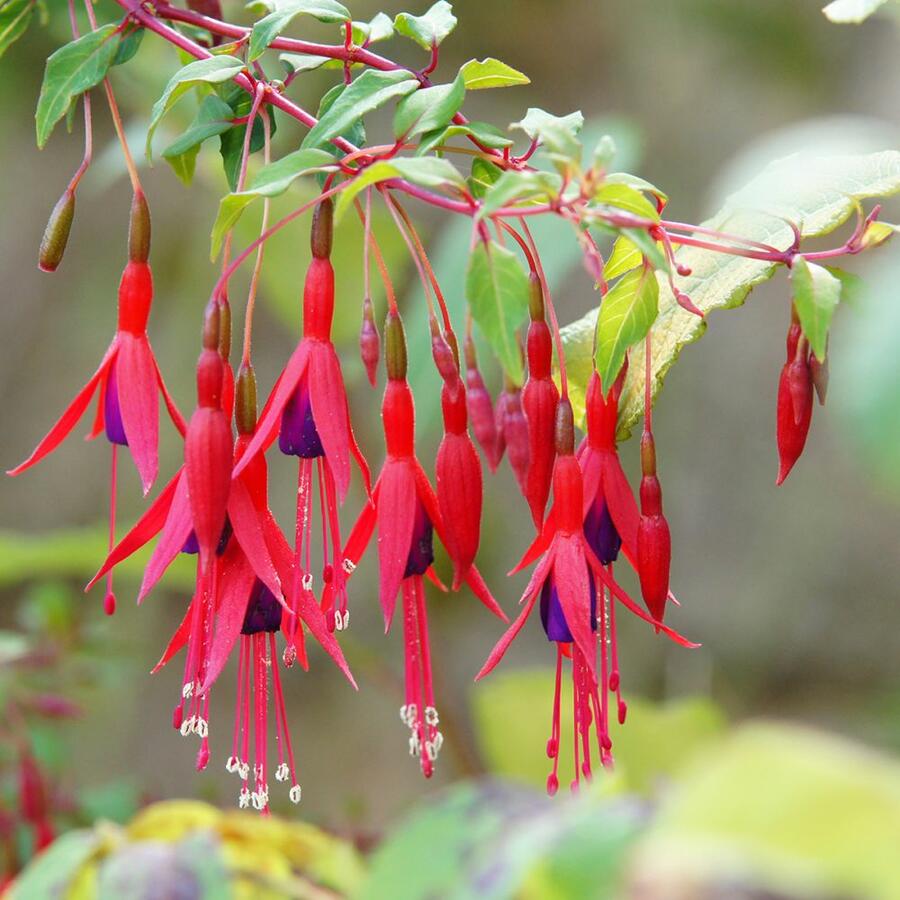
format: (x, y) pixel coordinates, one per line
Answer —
(427, 30)
(270, 181)
(557, 133)
(295, 63)
(214, 117)
(72, 70)
(852, 11)
(626, 314)
(426, 171)
(876, 233)
(816, 295)
(622, 196)
(625, 256)
(519, 184)
(215, 70)
(819, 193)
(497, 293)
(479, 74)
(267, 29)
(378, 29)
(797, 812)
(51, 873)
(15, 17)
(484, 174)
(484, 133)
(128, 46)
(604, 152)
(368, 92)
(428, 108)
(639, 184)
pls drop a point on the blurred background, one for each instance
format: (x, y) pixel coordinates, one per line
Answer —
(792, 592)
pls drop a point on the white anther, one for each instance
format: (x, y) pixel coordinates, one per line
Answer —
(412, 715)
(295, 793)
(348, 566)
(403, 713)
(233, 764)
(244, 771)
(346, 619)
(257, 772)
(187, 690)
(244, 798)
(261, 798)
(201, 727)
(187, 726)
(415, 745)
(281, 773)
(431, 715)
(438, 741)
(431, 751)
(338, 621)
(307, 581)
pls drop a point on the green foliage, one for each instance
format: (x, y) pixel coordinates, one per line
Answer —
(215, 70)
(518, 185)
(380, 28)
(497, 293)
(483, 132)
(479, 74)
(270, 181)
(491, 842)
(368, 92)
(816, 295)
(427, 30)
(426, 171)
(428, 108)
(626, 314)
(15, 17)
(268, 28)
(817, 193)
(72, 70)
(213, 118)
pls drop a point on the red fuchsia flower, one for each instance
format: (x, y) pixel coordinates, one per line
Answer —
(369, 343)
(795, 393)
(577, 596)
(539, 400)
(127, 381)
(481, 409)
(654, 543)
(308, 411)
(458, 478)
(407, 514)
(512, 433)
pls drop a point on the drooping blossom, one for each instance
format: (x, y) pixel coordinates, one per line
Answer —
(512, 433)
(308, 412)
(127, 382)
(577, 602)
(795, 399)
(406, 512)
(481, 409)
(539, 399)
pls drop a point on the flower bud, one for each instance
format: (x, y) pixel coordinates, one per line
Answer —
(443, 356)
(535, 298)
(369, 343)
(791, 429)
(56, 234)
(139, 229)
(512, 433)
(211, 326)
(394, 347)
(245, 400)
(539, 404)
(322, 230)
(480, 409)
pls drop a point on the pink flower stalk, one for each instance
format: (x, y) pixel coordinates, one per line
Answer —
(308, 410)
(407, 514)
(128, 382)
(569, 579)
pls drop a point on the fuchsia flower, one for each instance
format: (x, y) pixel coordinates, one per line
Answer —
(512, 433)
(128, 379)
(577, 597)
(481, 409)
(308, 411)
(406, 512)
